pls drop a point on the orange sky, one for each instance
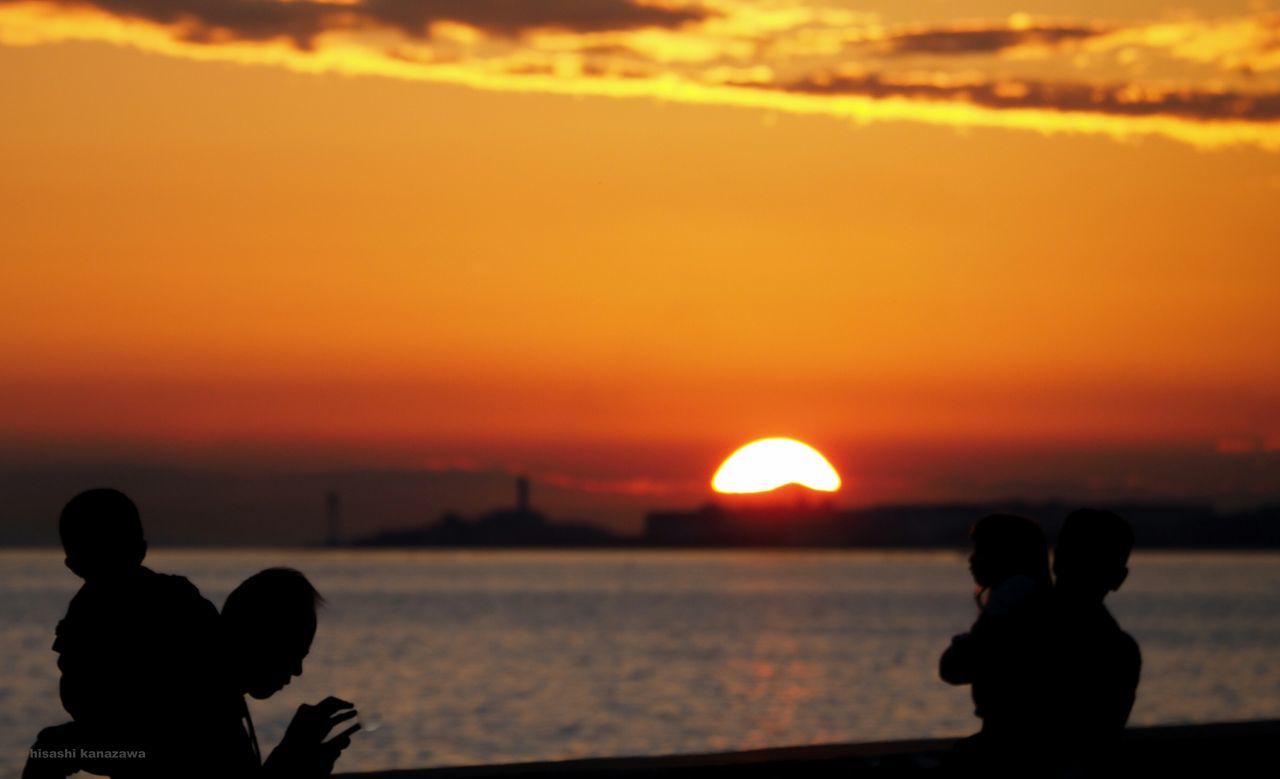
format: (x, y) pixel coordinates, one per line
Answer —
(683, 223)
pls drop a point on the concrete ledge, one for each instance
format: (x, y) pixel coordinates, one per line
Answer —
(1175, 750)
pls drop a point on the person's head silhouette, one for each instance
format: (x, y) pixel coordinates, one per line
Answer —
(1091, 557)
(1007, 545)
(101, 534)
(269, 622)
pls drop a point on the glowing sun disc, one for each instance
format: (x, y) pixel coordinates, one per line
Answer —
(770, 463)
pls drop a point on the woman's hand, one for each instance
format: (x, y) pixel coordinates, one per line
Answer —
(304, 751)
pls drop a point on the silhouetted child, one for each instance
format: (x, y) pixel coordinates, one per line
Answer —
(1004, 655)
(134, 648)
(1097, 664)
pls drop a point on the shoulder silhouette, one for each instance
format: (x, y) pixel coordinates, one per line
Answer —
(135, 648)
(1005, 655)
(1097, 664)
(269, 623)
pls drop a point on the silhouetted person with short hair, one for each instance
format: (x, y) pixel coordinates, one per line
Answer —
(268, 624)
(1004, 656)
(134, 649)
(1097, 664)
(101, 533)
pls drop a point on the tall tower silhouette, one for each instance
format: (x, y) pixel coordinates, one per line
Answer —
(522, 494)
(333, 516)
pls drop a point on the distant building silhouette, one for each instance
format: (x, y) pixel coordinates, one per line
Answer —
(822, 525)
(522, 494)
(520, 526)
(333, 516)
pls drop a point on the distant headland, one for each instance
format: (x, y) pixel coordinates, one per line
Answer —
(805, 524)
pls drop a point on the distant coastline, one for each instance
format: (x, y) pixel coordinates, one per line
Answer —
(825, 526)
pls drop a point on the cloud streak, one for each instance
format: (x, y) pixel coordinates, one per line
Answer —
(1109, 100)
(1208, 84)
(302, 21)
(988, 39)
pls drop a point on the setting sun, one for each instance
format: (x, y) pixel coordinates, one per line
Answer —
(770, 463)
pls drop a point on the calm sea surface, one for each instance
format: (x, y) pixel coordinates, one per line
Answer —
(479, 657)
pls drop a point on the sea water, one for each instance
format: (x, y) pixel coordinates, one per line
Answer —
(462, 657)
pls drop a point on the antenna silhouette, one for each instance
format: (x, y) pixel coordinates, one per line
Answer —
(522, 495)
(333, 517)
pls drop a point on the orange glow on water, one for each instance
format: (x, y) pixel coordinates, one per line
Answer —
(770, 463)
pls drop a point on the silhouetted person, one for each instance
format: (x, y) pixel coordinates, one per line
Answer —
(1004, 656)
(134, 649)
(1097, 664)
(268, 624)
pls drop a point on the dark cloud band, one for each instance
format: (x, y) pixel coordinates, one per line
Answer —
(1112, 100)
(302, 21)
(959, 41)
